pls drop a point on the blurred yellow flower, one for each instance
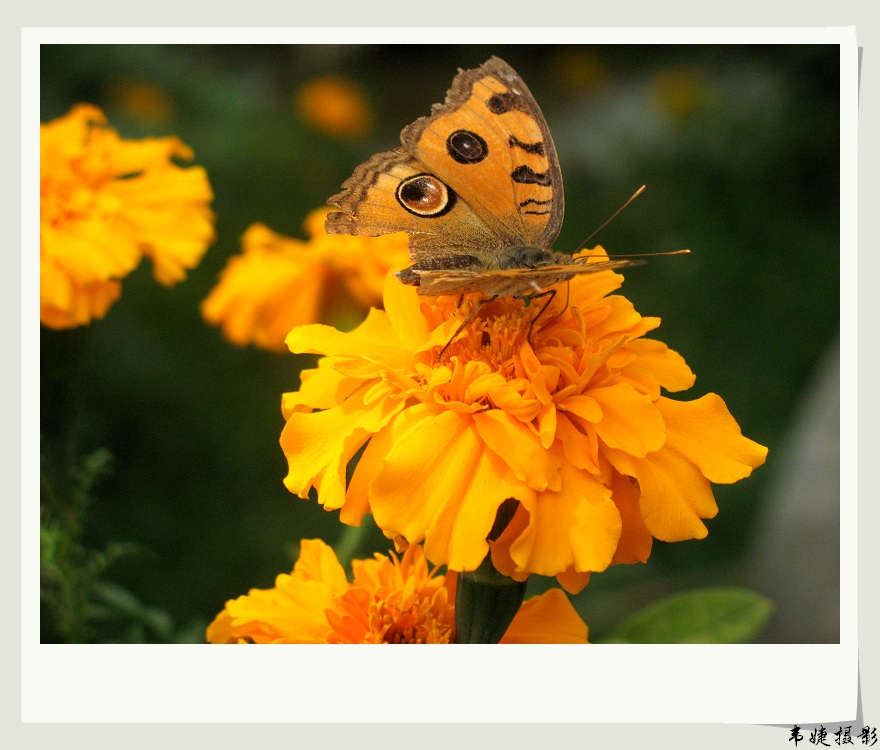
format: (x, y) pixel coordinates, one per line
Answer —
(105, 202)
(570, 423)
(278, 282)
(390, 600)
(335, 106)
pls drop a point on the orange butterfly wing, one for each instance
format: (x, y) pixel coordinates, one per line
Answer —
(490, 143)
(477, 176)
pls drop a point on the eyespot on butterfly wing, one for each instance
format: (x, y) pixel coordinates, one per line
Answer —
(478, 188)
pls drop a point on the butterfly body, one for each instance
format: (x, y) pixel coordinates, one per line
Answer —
(478, 188)
(512, 272)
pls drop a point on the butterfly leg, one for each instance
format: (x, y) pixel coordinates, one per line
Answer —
(462, 326)
(564, 307)
(551, 293)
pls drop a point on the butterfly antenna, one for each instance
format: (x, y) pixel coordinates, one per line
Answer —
(635, 195)
(584, 258)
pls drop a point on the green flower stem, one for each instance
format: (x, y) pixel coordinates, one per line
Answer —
(485, 604)
(350, 541)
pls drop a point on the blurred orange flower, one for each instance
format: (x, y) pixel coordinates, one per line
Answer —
(105, 202)
(390, 600)
(579, 69)
(571, 424)
(335, 106)
(679, 92)
(142, 100)
(279, 282)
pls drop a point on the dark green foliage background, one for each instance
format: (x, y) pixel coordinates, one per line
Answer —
(748, 179)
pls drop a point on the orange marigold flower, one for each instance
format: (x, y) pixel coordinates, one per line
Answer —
(570, 423)
(390, 600)
(679, 92)
(278, 282)
(104, 203)
(335, 106)
(141, 100)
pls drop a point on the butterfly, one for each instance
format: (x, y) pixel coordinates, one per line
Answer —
(477, 186)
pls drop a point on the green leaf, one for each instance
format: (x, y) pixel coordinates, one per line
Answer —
(116, 603)
(721, 615)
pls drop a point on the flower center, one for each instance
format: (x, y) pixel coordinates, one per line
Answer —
(420, 617)
(417, 624)
(494, 334)
(519, 357)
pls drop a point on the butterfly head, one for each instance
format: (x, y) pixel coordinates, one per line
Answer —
(526, 257)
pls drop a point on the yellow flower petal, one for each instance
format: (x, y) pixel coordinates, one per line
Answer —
(265, 292)
(667, 366)
(595, 535)
(319, 445)
(88, 251)
(372, 341)
(170, 216)
(519, 448)
(705, 433)
(674, 494)
(357, 498)
(581, 446)
(318, 562)
(547, 426)
(440, 483)
(511, 401)
(587, 289)
(390, 599)
(278, 282)
(622, 319)
(585, 407)
(293, 611)
(572, 581)
(66, 304)
(104, 203)
(579, 525)
(630, 421)
(635, 540)
(321, 388)
(567, 419)
(548, 618)
(400, 303)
